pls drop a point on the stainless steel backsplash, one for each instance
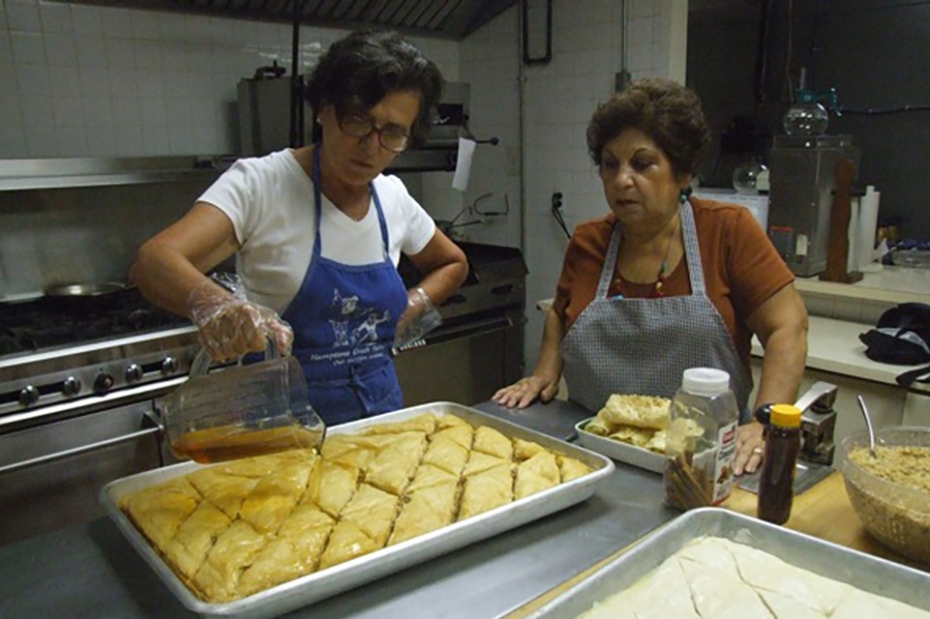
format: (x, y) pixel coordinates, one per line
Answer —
(62, 224)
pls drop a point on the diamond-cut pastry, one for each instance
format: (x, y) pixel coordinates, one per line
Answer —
(373, 511)
(539, 473)
(486, 491)
(394, 466)
(446, 454)
(194, 539)
(490, 441)
(160, 510)
(234, 550)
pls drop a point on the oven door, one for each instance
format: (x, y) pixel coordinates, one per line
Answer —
(50, 473)
(465, 363)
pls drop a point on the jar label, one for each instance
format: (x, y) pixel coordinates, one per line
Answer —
(723, 471)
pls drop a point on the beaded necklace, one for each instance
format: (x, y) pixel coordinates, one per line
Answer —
(663, 270)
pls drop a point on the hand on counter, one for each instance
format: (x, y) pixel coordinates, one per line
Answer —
(523, 392)
(749, 448)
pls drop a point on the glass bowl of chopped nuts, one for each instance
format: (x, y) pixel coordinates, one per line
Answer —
(890, 491)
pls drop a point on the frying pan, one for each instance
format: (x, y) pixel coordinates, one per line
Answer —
(85, 290)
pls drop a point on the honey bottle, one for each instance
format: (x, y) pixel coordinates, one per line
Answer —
(782, 445)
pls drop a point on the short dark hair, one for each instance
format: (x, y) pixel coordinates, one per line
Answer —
(667, 112)
(363, 67)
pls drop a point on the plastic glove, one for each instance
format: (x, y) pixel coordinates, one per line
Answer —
(230, 325)
(420, 317)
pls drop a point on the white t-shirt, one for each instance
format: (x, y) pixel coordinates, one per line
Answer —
(270, 203)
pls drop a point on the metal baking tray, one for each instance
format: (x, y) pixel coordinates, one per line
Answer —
(620, 451)
(829, 560)
(320, 585)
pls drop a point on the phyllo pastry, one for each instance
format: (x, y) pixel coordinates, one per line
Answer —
(446, 454)
(277, 562)
(461, 434)
(539, 473)
(223, 489)
(274, 497)
(373, 510)
(638, 437)
(260, 466)
(347, 542)
(524, 450)
(352, 449)
(330, 486)
(237, 528)
(429, 476)
(428, 509)
(234, 550)
(307, 529)
(486, 490)
(425, 423)
(194, 538)
(570, 469)
(479, 462)
(160, 511)
(490, 441)
(393, 467)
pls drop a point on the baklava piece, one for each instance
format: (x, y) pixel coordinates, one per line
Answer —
(234, 550)
(486, 490)
(490, 441)
(539, 473)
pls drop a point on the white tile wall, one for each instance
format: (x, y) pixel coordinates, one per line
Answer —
(559, 99)
(79, 80)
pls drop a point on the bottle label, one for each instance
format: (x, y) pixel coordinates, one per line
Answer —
(723, 471)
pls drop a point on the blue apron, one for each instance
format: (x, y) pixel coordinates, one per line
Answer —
(344, 318)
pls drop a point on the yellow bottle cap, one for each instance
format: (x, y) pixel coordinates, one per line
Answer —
(786, 416)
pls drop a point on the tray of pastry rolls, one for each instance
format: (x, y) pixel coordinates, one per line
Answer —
(712, 562)
(261, 536)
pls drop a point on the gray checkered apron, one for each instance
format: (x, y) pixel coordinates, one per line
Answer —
(642, 346)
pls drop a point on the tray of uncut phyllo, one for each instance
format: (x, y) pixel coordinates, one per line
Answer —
(261, 536)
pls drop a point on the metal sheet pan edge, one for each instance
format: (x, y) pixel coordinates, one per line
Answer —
(318, 586)
(868, 573)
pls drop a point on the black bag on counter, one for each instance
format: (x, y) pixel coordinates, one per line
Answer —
(902, 337)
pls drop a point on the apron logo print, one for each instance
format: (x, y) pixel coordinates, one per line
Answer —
(346, 312)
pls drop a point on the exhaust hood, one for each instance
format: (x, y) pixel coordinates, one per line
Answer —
(449, 19)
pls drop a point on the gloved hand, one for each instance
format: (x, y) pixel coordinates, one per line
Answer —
(420, 317)
(230, 325)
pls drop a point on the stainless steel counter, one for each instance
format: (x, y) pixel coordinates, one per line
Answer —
(91, 570)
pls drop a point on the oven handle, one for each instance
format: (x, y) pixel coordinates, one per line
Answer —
(93, 446)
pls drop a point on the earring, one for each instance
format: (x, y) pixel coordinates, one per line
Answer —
(684, 194)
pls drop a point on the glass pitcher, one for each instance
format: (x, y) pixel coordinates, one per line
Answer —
(243, 411)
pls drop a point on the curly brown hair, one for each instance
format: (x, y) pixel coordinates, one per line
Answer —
(667, 112)
(363, 67)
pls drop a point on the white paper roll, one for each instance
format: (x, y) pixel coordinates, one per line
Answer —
(852, 258)
(868, 224)
(463, 164)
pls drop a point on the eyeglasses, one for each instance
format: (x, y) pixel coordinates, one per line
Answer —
(391, 137)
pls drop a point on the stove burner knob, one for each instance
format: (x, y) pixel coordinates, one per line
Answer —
(28, 395)
(71, 386)
(169, 366)
(134, 373)
(103, 383)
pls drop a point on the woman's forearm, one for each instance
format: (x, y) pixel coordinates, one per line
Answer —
(550, 352)
(165, 278)
(783, 365)
(442, 282)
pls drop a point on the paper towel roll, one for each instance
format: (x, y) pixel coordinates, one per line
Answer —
(853, 233)
(868, 224)
(463, 164)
